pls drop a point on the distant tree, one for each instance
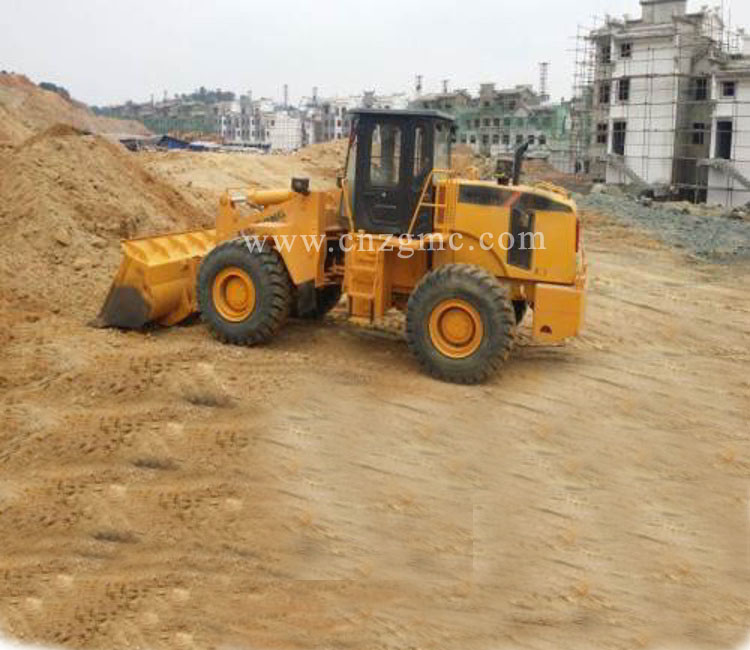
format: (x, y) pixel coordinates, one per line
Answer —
(46, 85)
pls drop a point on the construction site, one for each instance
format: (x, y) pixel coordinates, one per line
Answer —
(662, 102)
(336, 486)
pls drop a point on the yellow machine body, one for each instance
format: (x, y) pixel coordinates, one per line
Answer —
(156, 281)
(524, 238)
(383, 270)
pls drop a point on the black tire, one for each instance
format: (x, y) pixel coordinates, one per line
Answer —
(520, 307)
(326, 298)
(272, 293)
(482, 291)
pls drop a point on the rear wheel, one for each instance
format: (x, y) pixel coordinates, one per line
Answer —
(244, 296)
(460, 323)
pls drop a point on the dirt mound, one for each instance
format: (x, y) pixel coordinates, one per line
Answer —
(26, 109)
(66, 200)
(203, 176)
(329, 158)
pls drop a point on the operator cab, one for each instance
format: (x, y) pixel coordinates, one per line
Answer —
(391, 154)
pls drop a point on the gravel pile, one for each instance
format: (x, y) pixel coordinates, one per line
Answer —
(717, 238)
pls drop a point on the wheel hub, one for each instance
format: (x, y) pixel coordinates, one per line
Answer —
(456, 328)
(234, 294)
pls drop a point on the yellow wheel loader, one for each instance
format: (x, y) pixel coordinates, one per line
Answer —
(463, 258)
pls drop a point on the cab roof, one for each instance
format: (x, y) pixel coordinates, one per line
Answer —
(381, 112)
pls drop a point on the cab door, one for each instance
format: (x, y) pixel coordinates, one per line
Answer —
(382, 199)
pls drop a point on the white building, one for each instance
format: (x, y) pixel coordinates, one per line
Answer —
(729, 165)
(329, 118)
(286, 130)
(666, 95)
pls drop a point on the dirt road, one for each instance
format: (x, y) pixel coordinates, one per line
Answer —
(165, 491)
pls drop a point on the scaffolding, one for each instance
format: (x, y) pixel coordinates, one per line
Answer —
(652, 109)
(582, 103)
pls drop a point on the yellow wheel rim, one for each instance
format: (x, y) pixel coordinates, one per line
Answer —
(234, 294)
(456, 328)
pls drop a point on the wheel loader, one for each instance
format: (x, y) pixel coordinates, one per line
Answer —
(463, 258)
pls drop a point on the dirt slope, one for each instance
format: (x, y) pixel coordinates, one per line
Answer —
(203, 176)
(26, 109)
(162, 490)
(66, 200)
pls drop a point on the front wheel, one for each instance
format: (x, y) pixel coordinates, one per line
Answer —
(460, 324)
(244, 296)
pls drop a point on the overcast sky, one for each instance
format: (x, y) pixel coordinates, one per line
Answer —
(107, 52)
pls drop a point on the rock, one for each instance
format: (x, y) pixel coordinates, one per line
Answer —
(99, 242)
(740, 214)
(62, 237)
(81, 263)
(202, 387)
(646, 201)
(598, 188)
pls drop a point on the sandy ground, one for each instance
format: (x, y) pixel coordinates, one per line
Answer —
(26, 109)
(164, 491)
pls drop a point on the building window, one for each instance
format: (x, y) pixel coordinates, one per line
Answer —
(699, 133)
(724, 135)
(506, 121)
(699, 89)
(476, 124)
(602, 133)
(619, 130)
(605, 90)
(605, 54)
(626, 51)
(532, 140)
(486, 104)
(729, 89)
(506, 138)
(519, 139)
(496, 122)
(623, 90)
(468, 124)
(463, 139)
(486, 122)
(542, 140)
(496, 139)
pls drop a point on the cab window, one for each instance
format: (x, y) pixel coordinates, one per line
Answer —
(385, 156)
(442, 146)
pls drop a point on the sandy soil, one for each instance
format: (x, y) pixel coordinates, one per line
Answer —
(26, 109)
(161, 490)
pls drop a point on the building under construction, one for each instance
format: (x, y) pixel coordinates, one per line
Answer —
(663, 102)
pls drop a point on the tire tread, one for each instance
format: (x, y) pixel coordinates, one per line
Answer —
(446, 279)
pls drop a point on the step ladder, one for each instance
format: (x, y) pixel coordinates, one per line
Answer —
(365, 270)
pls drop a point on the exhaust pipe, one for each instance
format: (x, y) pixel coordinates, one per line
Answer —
(518, 162)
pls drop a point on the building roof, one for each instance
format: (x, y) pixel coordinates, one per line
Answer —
(435, 115)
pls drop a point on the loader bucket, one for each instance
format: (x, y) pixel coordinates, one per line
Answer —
(156, 280)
